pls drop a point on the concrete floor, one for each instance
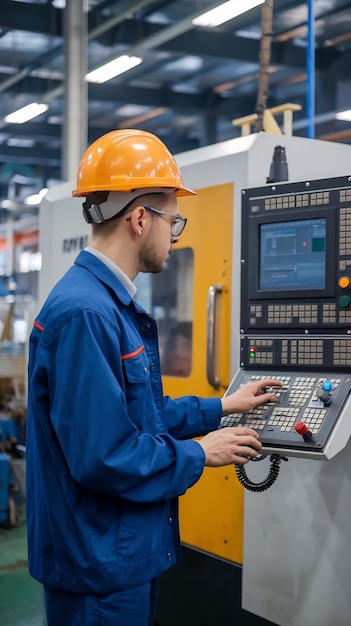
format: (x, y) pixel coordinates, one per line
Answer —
(21, 597)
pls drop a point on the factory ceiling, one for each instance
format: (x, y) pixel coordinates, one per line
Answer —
(190, 86)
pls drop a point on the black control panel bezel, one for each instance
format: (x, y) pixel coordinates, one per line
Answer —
(305, 316)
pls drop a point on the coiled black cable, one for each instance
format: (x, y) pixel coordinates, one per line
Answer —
(268, 481)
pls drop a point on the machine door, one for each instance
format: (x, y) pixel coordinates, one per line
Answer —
(191, 302)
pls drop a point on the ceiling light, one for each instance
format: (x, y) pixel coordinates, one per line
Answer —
(20, 142)
(345, 116)
(26, 113)
(112, 69)
(224, 12)
(36, 198)
(8, 204)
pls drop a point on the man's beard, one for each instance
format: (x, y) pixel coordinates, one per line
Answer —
(149, 258)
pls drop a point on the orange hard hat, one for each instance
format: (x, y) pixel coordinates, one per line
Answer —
(128, 160)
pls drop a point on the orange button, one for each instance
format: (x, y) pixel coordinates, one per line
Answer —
(344, 282)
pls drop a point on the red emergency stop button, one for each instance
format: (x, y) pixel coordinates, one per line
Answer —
(301, 428)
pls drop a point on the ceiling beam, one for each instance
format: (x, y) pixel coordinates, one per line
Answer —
(36, 18)
(194, 41)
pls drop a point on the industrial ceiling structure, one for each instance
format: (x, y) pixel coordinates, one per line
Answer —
(192, 83)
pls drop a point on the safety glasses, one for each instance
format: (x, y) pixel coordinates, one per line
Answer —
(178, 224)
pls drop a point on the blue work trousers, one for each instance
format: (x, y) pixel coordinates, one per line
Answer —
(133, 607)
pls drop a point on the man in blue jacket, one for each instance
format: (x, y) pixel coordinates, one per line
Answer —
(107, 454)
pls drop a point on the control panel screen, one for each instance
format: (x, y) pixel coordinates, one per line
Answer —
(292, 255)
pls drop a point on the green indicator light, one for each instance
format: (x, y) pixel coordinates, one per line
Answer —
(344, 302)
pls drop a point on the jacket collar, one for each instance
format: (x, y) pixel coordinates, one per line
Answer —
(91, 263)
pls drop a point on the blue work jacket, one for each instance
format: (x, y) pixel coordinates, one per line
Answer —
(107, 453)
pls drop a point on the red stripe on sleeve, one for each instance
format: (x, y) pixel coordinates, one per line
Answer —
(131, 354)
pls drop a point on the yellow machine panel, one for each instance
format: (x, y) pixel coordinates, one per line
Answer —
(211, 513)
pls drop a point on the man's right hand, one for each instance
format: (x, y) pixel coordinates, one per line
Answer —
(230, 445)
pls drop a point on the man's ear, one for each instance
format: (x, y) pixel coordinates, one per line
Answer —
(137, 219)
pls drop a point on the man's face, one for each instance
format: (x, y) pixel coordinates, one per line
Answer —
(155, 251)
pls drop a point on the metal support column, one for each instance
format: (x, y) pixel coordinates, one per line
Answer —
(310, 105)
(75, 124)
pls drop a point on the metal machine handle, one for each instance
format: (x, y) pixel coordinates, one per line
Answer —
(213, 292)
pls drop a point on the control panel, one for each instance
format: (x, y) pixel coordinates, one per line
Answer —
(301, 422)
(295, 318)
